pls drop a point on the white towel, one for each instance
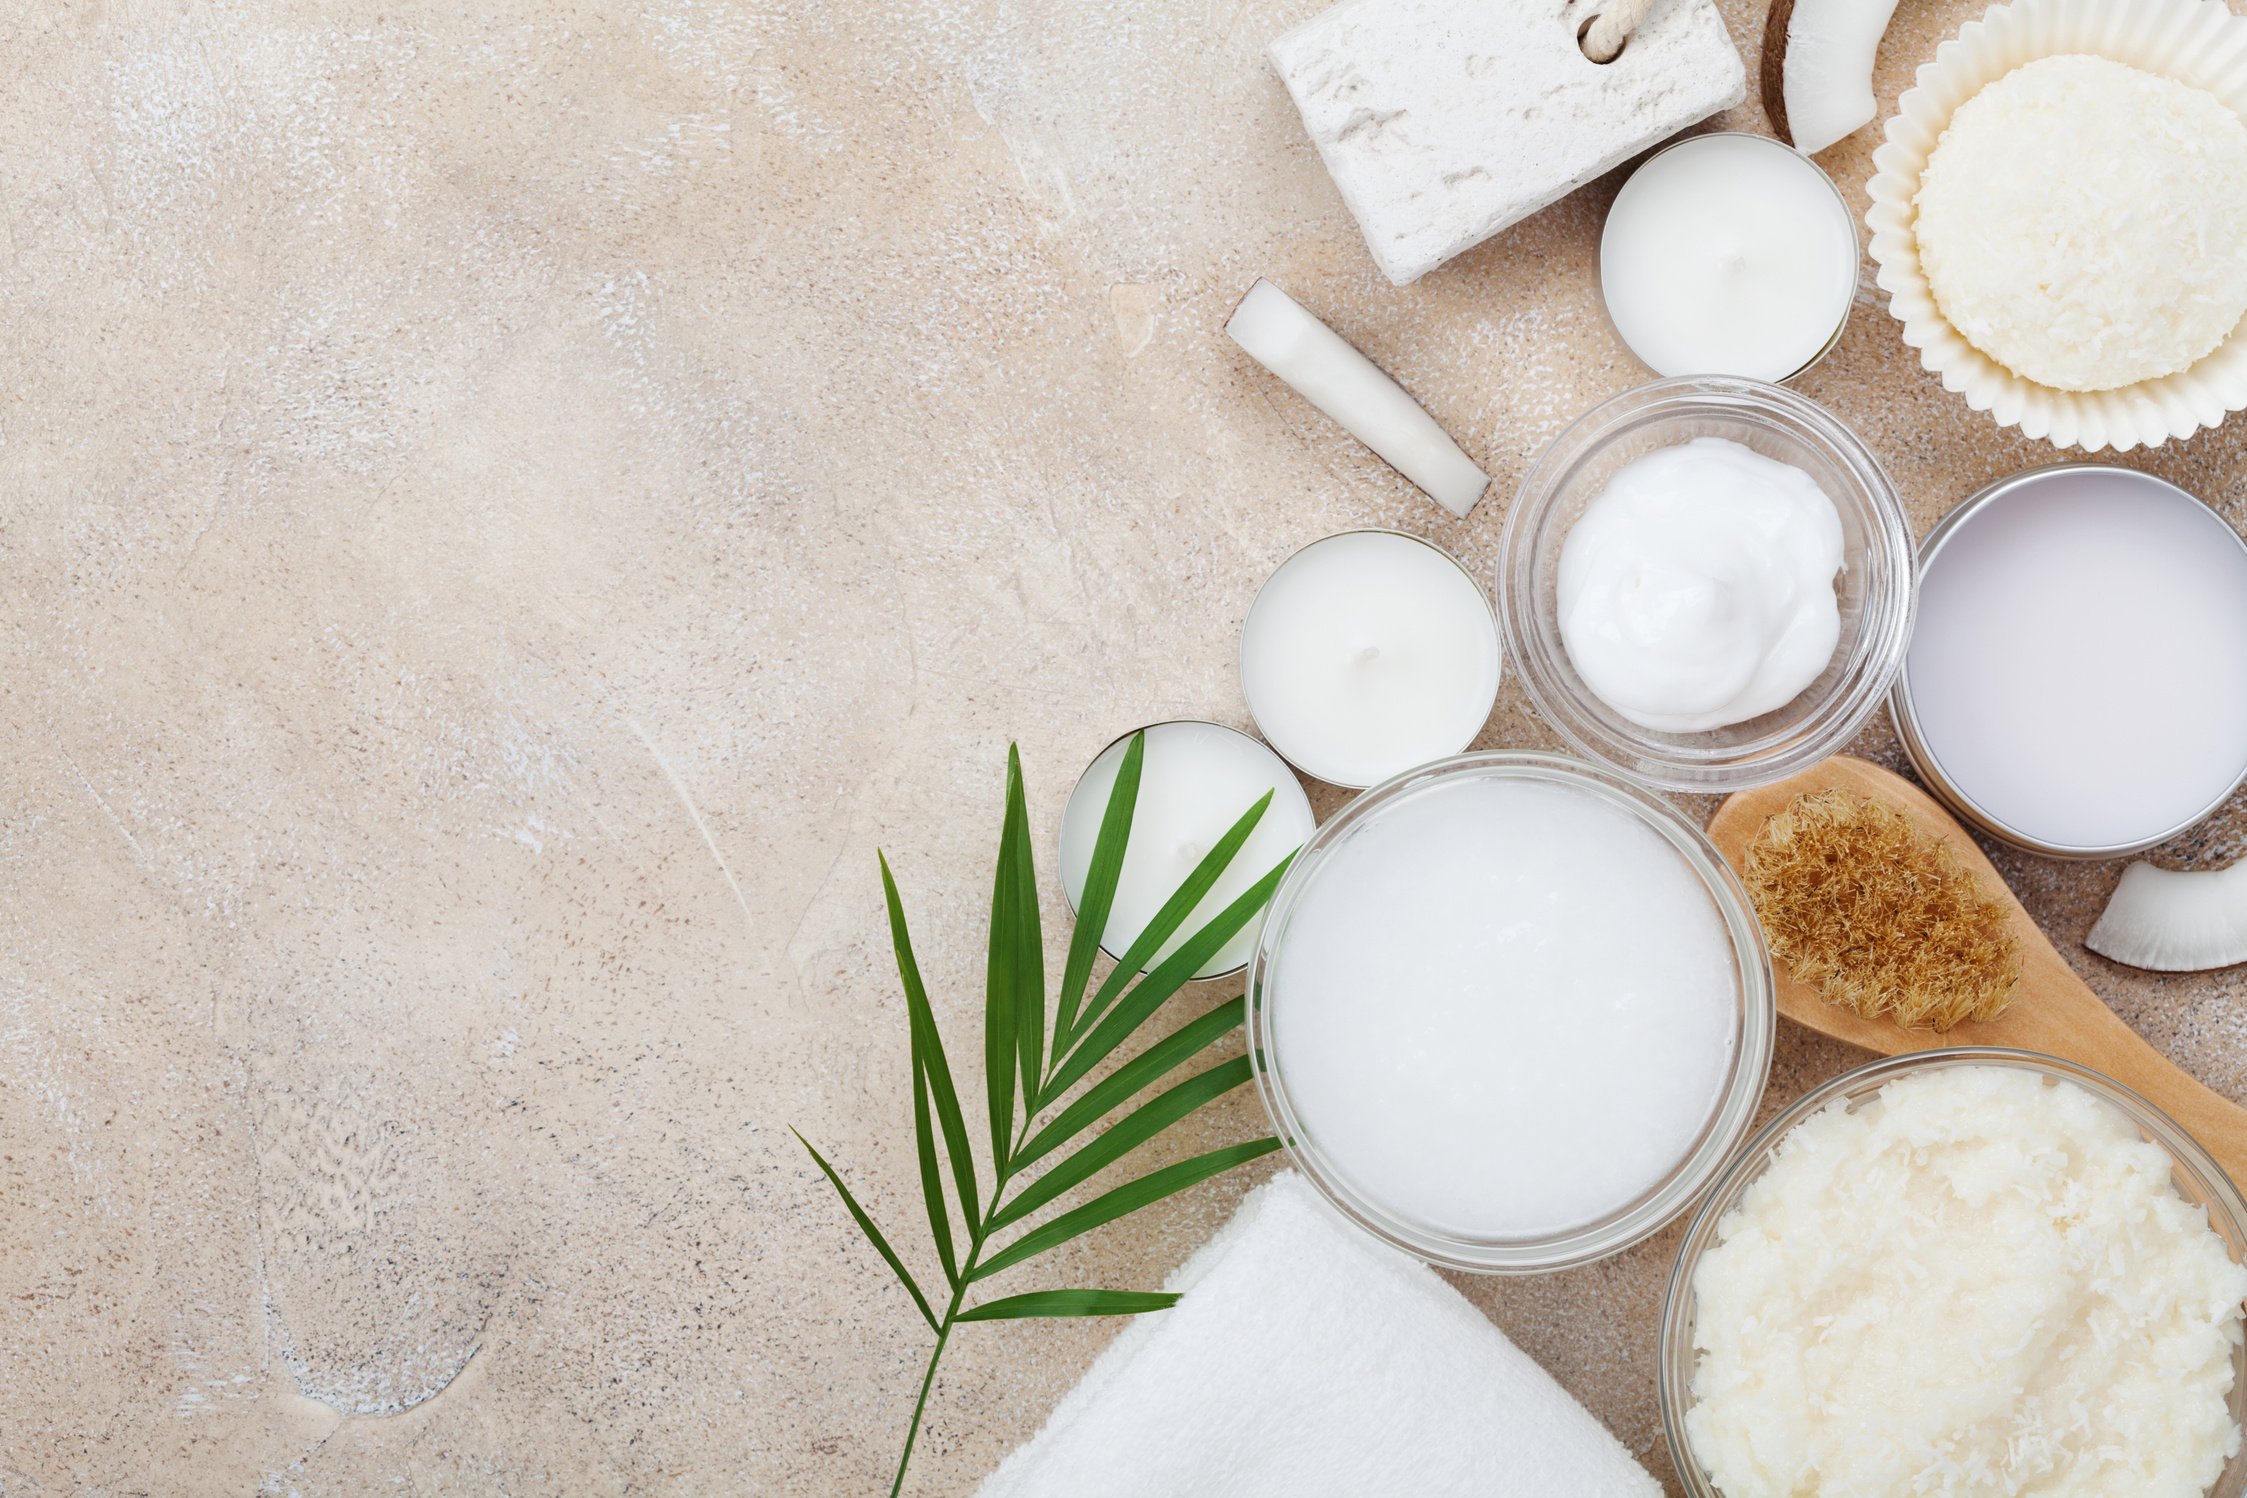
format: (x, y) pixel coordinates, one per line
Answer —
(1308, 1359)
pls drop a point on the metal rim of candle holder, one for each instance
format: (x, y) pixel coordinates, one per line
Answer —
(1913, 734)
(1287, 783)
(1731, 1117)
(1856, 252)
(2203, 1183)
(1497, 646)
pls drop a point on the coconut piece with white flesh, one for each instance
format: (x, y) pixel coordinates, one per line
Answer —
(1818, 67)
(1322, 367)
(2171, 921)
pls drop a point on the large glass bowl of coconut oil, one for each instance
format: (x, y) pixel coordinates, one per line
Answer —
(1510, 1012)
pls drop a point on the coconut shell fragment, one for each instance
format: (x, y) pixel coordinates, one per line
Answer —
(1817, 68)
(1773, 73)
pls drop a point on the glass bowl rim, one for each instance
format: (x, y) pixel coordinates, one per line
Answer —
(1674, 1355)
(1875, 652)
(1730, 1120)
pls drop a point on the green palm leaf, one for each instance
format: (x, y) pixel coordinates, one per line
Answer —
(873, 1234)
(1071, 1303)
(1158, 1060)
(1173, 915)
(929, 1051)
(1029, 964)
(1148, 1189)
(1016, 963)
(1026, 1062)
(1168, 976)
(1125, 1135)
(1099, 889)
(932, 1179)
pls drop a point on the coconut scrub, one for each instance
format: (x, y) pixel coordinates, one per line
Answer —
(1975, 1281)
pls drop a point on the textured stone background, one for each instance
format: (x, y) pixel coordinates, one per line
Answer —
(502, 511)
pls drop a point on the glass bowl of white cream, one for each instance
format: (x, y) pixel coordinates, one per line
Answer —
(1510, 1012)
(1948, 1288)
(1707, 582)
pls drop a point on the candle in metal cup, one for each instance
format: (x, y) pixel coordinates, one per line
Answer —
(1368, 653)
(1195, 780)
(1729, 254)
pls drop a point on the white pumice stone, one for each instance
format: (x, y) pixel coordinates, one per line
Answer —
(1443, 121)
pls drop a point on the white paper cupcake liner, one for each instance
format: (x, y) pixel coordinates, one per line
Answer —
(2195, 41)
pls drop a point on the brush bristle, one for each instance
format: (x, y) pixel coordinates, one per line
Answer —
(1878, 916)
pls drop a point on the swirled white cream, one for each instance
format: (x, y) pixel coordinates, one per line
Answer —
(1976, 1283)
(1697, 588)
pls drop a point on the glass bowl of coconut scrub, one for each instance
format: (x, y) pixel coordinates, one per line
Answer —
(1706, 582)
(1965, 1271)
(1510, 1012)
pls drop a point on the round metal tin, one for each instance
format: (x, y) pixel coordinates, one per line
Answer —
(1908, 727)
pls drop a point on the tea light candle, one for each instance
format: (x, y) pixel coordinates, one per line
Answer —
(1368, 653)
(2077, 680)
(1195, 780)
(1729, 254)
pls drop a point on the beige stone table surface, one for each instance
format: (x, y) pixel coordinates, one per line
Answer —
(503, 509)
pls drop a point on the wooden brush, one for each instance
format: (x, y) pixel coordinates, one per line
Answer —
(1878, 915)
(2055, 1012)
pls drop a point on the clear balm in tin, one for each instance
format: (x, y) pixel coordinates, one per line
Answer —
(2077, 678)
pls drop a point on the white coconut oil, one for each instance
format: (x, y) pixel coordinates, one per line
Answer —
(1504, 1008)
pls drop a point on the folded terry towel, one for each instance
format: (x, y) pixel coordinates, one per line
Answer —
(1308, 1359)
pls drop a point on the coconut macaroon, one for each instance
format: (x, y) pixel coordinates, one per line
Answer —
(2084, 223)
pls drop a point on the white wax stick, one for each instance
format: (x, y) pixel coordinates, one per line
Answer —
(1346, 385)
